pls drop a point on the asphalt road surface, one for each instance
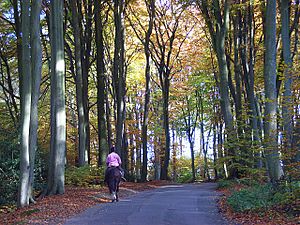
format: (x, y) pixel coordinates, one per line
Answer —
(188, 204)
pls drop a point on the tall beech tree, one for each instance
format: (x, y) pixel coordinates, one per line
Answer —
(119, 84)
(151, 12)
(101, 81)
(287, 112)
(85, 12)
(56, 169)
(82, 127)
(191, 116)
(165, 49)
(36, 69)
(30, 90)
(248, 57)
(144, 35)
(270, 123)
(217, 20)
(23, 197)
(19, 44)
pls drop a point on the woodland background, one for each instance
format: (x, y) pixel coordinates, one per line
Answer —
(78, 77)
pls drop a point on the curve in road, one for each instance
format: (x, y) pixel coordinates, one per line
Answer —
(188, 204)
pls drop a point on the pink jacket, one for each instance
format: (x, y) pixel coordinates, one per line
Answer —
(113, 159)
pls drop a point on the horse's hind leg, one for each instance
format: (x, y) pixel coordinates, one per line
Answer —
(117, 197)
(117, 190)
(114, 196)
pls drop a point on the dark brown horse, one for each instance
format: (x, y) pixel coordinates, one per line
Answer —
(113, 181)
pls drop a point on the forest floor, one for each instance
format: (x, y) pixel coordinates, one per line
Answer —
(56, 209)
(279, 215)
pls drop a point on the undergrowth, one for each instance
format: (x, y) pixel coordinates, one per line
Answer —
(84, 176)
(255, 196)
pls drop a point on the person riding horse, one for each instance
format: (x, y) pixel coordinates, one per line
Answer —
(113, 160)
(113, 174)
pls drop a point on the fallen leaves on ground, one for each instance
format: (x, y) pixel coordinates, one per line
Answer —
(56, 209)
(274, 216)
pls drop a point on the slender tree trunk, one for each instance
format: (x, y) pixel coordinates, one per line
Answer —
(287, 109)
(58, 115)
(19, 46)
(118, 73)
(218, 34)
(206, 167)
(138, 145)
(270, 123)
(36, 65)
(191, 142)
(225, 105)
(87, 55)
(166, 125)
(108, 124)
(249, 84)
(102, 130)
(131, 154)
(221, 148)
(237, 73)
(82, 132)
(190, 121)
(174, 155)
(296, 139)
(151, 7)
(157, 159)
(215, 151)
(125, 160)
(23, 197)
(84, 9)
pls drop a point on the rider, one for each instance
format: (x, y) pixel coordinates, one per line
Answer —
(113, 160)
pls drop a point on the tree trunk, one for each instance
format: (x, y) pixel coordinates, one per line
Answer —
(287, 108)
(151, 7)
(238, 73)
(107, 114)
(87, 54)
(102, 130)
(174, 156)
(118, 73)
(190, 121)
(191, 142)
(58, 115)
(36, 65)
(215, 151)
(270, 123)
(218, 36)
(166, 124)
(82, 133)
(249, 85)
(84, 9)
(23, 197)
(138, 144)
(19, 47)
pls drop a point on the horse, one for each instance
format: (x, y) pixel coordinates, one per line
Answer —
(113, 181)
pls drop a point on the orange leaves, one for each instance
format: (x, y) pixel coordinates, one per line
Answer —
(57, 208)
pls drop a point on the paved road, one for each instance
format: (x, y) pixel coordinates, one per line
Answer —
(189, 204)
